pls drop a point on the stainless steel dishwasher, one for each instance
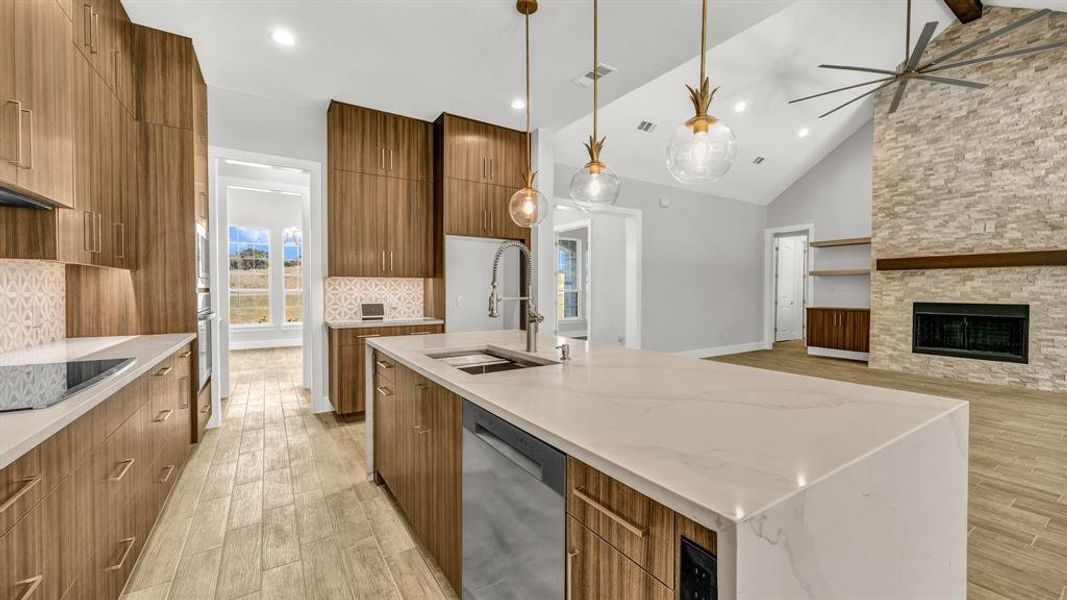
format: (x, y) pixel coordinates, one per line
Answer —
(514, 511)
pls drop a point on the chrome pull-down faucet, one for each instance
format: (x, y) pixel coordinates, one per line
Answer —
(533, 318)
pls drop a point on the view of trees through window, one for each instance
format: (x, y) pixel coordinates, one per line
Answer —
(249, 275)
(568, 279)
(293, 249)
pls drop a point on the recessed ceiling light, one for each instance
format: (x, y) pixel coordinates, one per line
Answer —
(283, 37)
(518, 104)
(740, 106)
(803, 133)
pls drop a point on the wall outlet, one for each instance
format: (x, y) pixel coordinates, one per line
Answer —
(460, 300)
(977, 227)
(664, 202)
(990, 226)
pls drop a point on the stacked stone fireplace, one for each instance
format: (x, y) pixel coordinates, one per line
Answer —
(963, 172)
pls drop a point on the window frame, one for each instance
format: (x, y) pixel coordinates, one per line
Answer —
(286, 291)
(579, 277)
(229, 282)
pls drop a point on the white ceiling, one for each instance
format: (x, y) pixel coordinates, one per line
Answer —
(424, 57)
(766, 66)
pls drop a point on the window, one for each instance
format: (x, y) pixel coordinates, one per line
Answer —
(293, 249)
(249, 275)
(568, 279)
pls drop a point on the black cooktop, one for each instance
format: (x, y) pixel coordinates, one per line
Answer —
(28, 387)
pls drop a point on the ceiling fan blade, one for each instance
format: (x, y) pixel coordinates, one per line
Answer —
(982, 59)
(860, 97)
(960, 82)
(898, 96)
(841, 89)
(920, 46)
(1030, 18)
(864, 69)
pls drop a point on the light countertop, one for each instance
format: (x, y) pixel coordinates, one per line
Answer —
(359, 323)
(719, 443)
(21, 431)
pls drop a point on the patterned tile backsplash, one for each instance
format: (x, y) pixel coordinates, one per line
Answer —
(402, 297)
(32, 303)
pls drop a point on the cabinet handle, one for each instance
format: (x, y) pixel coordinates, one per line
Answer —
(383, 261)
(383, 364)
(183, 399)
(383, 158)
(94, 29)
(485, 168)
(87, 9)
(120, 239)
(126, 464)
(390, 261)
(419, 411)
(33, 583)
(99, 229)
(489, 226)
(25, 165)
(384, 391)
(165, 415)
(390, 159)
(485, 221)
(368, 335)
(186, 354)
(164, 371)
(18, 130)
(88, 232)
(27, 485)
(170, 469)
(570, 569)
(492, 169)
(122, 561)
(420, 333)
(607, 512)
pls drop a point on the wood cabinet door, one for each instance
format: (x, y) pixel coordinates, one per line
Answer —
(103, 185)
(404, 441)
(408, 147)
(597, 570)
(200, 159)
(507, 158)
(465, 148)
(29, 556)
(116, 493)
(43, 85)
(857, 331)
(85, 26)
(465, 211)
(500, 224)
(385, 431)
(409, 235)
(445, 465)
(76, 233)
(164, 73)
(9, 112)
(818, 327)
(356, 139)
(357, 224)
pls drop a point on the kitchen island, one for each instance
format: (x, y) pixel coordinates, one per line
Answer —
(814, 488)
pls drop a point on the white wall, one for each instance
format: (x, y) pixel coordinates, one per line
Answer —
(275, 212)
(835, 196)
(468, 273)
(702, 266)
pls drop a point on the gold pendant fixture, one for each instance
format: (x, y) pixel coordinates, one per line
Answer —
(527, 206)
(595, 184)
(703, 149)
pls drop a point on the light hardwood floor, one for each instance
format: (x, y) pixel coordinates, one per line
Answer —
(1017, 542)
(274, 504)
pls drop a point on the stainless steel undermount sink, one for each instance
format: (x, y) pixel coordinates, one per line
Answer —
(490, 360)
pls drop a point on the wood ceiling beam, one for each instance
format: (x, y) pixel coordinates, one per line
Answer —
(966, 10)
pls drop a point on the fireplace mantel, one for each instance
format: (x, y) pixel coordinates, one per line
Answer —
(1033, 258)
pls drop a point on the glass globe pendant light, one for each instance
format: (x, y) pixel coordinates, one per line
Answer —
(595, 184)
(703, 149)
(528, 206)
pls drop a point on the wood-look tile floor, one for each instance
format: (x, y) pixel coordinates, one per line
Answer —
(274, 504)
(1017, 541)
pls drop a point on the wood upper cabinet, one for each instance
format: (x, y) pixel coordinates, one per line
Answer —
(200, 169)
(36, 134)
(845, 329)
(379, 226)
(363, 140)
(476, 151)
(479, 210)
(164, 64)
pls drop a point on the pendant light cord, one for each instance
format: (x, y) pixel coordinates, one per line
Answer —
(703, 43)
(596, 67)
(529, 143)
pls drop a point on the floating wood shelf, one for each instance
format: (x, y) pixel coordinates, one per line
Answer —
(839, 272)
(1037, 258)
(860, 241)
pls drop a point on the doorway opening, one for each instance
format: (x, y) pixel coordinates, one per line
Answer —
(790, 286)
(267, 238)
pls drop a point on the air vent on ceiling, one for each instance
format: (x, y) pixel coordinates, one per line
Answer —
(759, 160)
(646, 126)
(586, 79)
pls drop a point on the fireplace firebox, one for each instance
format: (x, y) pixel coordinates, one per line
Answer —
(998, 332)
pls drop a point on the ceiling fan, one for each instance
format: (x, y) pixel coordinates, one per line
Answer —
(914, 68)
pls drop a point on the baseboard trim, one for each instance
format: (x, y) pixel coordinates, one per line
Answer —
(722, 350)
(264, 344)
(834, 353)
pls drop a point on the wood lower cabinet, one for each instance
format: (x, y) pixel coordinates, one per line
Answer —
(596, 569)
(846, 329)
(348, 348)
(100, 484)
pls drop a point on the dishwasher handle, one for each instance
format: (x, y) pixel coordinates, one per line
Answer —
(541, 461)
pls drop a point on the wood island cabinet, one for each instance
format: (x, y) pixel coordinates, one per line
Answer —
(76, 510)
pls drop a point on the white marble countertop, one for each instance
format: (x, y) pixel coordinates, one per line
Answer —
(359, 323)
(719, 443)
(21, 431)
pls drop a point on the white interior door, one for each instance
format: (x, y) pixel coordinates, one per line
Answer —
(789, 289)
